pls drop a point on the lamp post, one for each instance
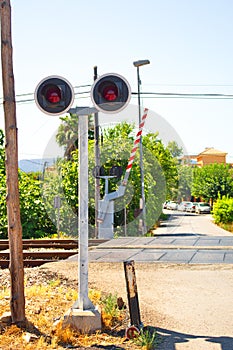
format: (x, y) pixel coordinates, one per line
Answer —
(138, 64)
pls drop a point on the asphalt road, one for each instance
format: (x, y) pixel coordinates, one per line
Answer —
(182, 223)
(184, 279)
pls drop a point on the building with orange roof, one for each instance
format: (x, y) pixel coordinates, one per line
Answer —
(209, 156)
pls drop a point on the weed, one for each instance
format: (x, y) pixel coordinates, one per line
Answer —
(147, 339)
(111, 315)
(110, 305)
(71, 295)
(54, 283)
(95, 296)
(35, 291)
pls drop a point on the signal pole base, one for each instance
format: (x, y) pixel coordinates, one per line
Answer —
(83, 321)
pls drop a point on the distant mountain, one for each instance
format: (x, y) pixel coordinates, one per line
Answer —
(35, 165)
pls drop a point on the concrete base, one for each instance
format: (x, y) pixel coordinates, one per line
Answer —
(84, 321)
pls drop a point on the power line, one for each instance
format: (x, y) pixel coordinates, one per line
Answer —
(183, 95)
(209, 85)
(32, 99)
(213, 96)
(33, 162)
(32, 93)
(29, 100)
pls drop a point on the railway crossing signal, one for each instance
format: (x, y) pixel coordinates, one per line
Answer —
(110, 93)
(54, 95)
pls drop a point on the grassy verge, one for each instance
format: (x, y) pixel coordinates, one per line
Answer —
(227, 227)
(46, 305)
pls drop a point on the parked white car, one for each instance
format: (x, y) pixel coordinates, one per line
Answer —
(202, 208)
(165, 204)
(191, 207)
(172, 205)
(183, 205)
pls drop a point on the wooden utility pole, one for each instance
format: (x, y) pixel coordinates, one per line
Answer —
(17, 302)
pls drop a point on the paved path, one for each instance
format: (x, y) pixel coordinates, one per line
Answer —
(188, 250)
(188, 239)
(191, 224)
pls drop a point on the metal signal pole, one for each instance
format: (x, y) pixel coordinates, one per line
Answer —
(138, 64)
(84, 301)
(97, 164)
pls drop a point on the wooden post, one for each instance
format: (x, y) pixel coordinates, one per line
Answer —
(132, 294)
(17, 302)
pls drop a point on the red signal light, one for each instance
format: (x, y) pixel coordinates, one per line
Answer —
(53, 94)
(110, 93)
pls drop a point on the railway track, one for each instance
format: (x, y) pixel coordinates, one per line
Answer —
(41, 251)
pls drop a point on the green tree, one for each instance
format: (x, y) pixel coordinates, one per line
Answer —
(167, 162)
(67, 135)
(123, 131)
(62, 181)
(160, 170)
(174, 149)
(115, 152)
(212, 181)
(34, 217)
(185, 178)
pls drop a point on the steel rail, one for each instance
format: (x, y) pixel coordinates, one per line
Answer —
(51, 250)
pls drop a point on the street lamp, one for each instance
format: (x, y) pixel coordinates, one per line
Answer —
(138, 64)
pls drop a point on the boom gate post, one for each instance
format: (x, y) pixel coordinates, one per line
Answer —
(106, 203)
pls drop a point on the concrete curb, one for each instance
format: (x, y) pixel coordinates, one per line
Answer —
(162, 247)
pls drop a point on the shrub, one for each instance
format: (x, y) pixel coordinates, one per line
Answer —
(223, 211)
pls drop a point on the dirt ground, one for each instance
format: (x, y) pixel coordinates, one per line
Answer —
(191, 306)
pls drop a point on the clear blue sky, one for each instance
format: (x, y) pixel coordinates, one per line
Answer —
(189, 44)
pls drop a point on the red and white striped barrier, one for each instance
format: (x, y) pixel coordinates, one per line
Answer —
(135, 146)
(121, 190)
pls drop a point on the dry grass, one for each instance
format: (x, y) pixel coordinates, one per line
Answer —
(227, 227)
(46, 303)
